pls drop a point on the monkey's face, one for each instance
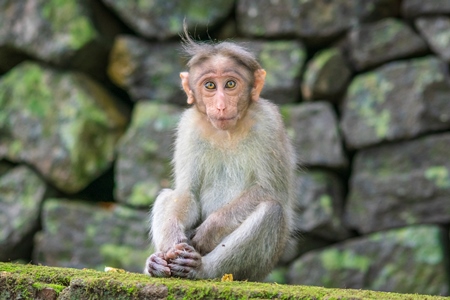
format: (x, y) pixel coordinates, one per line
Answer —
(221, 89)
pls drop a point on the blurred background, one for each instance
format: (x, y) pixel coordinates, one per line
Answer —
(90, 96)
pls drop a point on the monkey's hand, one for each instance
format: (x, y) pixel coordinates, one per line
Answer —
(209, 234)
(184, 261)
(156, 265)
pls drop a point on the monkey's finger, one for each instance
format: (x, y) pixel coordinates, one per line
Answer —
(158, 270)
(183, 271)
(185, 247)
(160, 261)
(186, 275)
(156, 266)
(177, 248)
(171, 254)
(157, 259)
(188, 255)
(184, 262)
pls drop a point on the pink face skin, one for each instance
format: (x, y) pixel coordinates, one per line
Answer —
(221, 89)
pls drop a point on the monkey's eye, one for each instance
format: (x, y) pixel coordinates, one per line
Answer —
(210, 85)
(230, 84)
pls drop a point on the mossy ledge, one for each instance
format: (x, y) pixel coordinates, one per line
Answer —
(38, 282)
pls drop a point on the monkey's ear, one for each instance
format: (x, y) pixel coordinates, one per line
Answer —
(185, 84)
(260, 76)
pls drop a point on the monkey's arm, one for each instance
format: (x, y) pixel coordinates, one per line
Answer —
(176, 210)
(172, 213)
(226, 219)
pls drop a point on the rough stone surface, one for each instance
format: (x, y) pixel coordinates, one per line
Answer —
(62, 123)
(386, 105)
(298, 244)
(151, 71)
(66, 25)
(314, 131)
(319, 205)
(75, 134)
(82, 235)
(164, 19)
(26, 281)
(144, 153)
(372, 44)
(407, 259)
(21, 195)
(147, 71)
(283, 62)
(400, 184)
(436, 31)
(316, 21)
(5, 167)
(326, 75)
(415, 8)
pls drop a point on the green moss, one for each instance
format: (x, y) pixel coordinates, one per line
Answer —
(369, 95)
(334, 259)
(286, 112)
(26, 83)
(387, 272)
(317, 64)
(15, 279)
(174, 23)
(388, 33)
(326, 203)
(164, 117)
(67, 16)
(439, 175)
(381, 124)
(40, 286)
(425, 242)
(282, 61)
(117, 256)
(143, 194)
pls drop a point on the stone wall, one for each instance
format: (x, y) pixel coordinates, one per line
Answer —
(90, 96)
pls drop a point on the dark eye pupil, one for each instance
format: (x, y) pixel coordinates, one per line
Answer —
(209, 85)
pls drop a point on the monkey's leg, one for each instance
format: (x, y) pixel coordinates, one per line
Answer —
(249, 252)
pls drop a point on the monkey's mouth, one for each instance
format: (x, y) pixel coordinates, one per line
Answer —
(222, 119)
(224, 123)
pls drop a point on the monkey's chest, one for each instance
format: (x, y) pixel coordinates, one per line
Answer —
(222, 180)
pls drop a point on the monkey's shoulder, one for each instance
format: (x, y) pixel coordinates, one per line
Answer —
(268, 121)
(272, 127)
(268, 113)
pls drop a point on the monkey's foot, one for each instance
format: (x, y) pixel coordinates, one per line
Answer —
(184, 261)
(156, 265)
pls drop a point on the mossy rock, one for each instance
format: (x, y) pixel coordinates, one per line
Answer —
(31, 282)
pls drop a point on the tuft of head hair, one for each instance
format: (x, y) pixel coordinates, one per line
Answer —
(197, 52)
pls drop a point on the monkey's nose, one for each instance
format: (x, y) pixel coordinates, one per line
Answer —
(220, 104)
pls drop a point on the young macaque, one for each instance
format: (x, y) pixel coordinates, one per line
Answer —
(230, 211)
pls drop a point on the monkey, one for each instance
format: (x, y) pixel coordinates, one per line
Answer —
(230, 211)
